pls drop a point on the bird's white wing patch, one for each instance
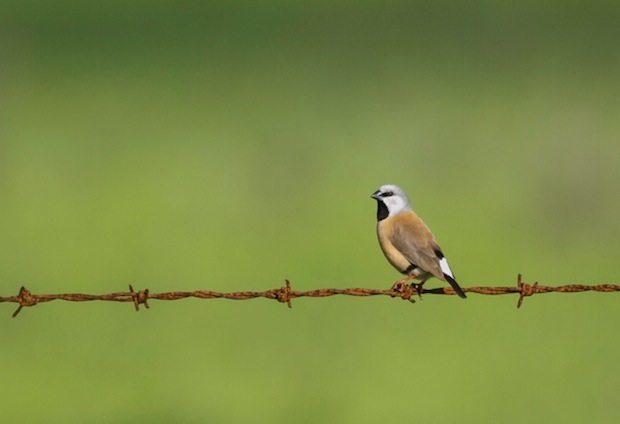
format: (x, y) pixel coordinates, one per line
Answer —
(445, 268)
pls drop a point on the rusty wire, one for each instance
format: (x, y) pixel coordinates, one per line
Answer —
(285, 294)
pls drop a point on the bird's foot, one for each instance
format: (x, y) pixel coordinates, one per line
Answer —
(419, 287)
(400, 284)
(405, 291)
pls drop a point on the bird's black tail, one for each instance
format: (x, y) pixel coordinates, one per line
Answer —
(455, 286)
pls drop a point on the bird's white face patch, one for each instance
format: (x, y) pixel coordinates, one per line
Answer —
(395, 204)
(394, 199)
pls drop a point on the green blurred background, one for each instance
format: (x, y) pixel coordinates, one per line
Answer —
(230, 145)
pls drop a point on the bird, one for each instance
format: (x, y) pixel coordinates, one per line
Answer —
(407, 242)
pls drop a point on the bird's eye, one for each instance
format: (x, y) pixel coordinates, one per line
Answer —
(387, 194)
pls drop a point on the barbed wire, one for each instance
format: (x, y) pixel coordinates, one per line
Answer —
(285, 294)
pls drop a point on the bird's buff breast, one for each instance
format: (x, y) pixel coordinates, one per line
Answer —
(384, 233)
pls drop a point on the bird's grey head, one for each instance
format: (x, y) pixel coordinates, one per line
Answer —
(391, 200)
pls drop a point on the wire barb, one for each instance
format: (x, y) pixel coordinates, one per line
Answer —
(139, 298)
(407, 291)
(285, 294)
(525, 290)
(24, 298)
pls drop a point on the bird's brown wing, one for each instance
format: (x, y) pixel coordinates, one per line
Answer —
(415, 241)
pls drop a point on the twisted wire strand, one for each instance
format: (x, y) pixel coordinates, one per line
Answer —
(285, 293)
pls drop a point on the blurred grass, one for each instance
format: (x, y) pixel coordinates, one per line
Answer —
(227, 146)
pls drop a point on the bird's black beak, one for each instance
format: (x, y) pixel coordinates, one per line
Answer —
(375, 195)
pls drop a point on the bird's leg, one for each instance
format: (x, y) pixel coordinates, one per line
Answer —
(419, 287)
(398, 286)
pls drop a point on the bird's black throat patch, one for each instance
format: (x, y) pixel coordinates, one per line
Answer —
(382, 211)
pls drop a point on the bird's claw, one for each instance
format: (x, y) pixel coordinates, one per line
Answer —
(402, 288)
(400, 284)
(419, 287)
